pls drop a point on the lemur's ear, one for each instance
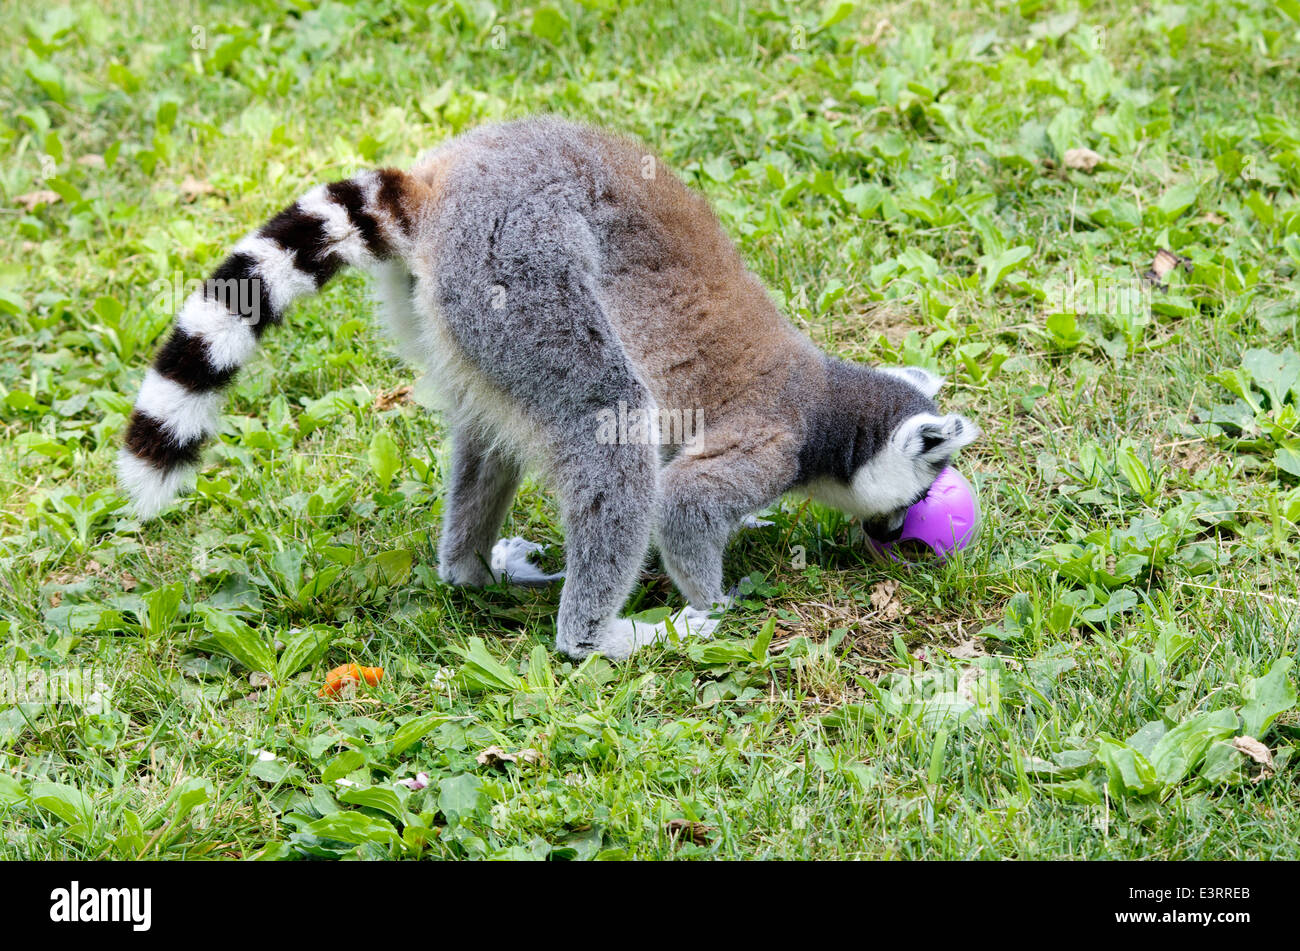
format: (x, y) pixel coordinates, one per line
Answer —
(936, 438)
(923, 380)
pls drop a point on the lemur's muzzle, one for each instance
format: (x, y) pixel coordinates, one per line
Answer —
(885, 532)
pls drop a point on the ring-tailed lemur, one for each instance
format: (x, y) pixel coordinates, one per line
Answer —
(556, 282)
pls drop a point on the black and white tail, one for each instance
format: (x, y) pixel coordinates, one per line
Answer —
(359, 222)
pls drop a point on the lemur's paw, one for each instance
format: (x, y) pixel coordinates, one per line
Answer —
(465, 573)
(458, 578)
(691, 621)
(510, 562)
(626, 635)
(753, 521)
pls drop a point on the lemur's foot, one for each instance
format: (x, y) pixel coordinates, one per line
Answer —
(626, 635)
(465, 573)
(510, 562)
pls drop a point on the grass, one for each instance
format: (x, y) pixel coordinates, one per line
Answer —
(1076, 686)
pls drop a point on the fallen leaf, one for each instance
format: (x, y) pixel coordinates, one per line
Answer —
(966, 683)
(878, 32)
(1165, 262)
(192, 188)
(397, 397)
(495, 755)
(1083, 160)
(259, 679)
(1215, 219)
(1254, 749)
(93, 569)
(33, 200)
(697, 832)
(968, 650)
(91, 160)
(884, 598)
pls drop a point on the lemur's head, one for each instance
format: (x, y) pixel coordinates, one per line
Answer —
(890, 443)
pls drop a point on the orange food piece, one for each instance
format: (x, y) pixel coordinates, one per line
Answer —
(340, 677)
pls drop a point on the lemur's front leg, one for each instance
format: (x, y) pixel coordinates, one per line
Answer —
(480, 489)
(705, 494)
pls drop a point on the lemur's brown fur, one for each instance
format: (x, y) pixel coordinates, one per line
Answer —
(695, 322)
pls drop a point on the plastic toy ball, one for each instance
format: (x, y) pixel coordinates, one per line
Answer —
(946, 520)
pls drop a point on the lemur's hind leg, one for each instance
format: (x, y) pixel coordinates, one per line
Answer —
(480, 489)
(607, 499)
(706, 493)
(518, 286)
(610, 499)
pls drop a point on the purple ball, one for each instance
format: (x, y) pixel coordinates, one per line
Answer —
(946, 520)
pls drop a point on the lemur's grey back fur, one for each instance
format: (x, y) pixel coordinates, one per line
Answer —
(549, 278)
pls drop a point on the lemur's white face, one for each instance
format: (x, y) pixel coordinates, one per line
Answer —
(901, 473)
(898, 477)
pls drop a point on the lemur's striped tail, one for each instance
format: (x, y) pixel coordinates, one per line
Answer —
(358, 222)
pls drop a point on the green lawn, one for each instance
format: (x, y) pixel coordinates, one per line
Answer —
(1075, 686)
